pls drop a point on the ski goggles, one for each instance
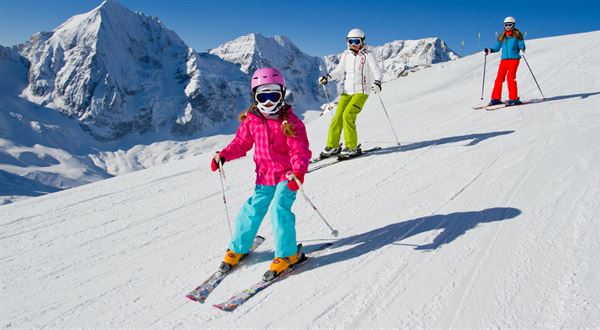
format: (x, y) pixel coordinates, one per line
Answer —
(263, 97)
(354, 41)
(509, 24)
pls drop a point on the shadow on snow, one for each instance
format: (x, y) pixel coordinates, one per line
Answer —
(452, 226)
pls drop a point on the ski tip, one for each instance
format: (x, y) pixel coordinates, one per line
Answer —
(260, 237)
(192, 298)
(225, 308)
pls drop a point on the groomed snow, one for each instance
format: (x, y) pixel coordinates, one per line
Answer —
(479, 220)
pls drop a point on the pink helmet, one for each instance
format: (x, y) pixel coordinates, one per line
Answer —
(265, 76)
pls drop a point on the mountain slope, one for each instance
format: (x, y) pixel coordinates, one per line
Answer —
(479, 220)
(122, 73)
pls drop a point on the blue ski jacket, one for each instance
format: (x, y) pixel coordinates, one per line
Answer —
(510, 48)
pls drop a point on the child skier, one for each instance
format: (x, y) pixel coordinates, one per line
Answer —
(358, 67)
(511, 42)
(280, 148)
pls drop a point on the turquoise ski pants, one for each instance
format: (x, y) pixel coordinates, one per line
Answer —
(248, 220)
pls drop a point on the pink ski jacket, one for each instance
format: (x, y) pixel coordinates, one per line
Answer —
(275, 154)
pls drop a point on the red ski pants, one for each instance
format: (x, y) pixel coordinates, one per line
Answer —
(507, 70)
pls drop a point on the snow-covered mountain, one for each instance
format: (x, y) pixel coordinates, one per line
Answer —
(120, 72)
(401, 56)
(398, 58)
(41, 150)
(479, 220)
(300, 70)
(112, 91)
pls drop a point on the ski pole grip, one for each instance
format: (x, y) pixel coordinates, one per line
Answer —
(218, 160)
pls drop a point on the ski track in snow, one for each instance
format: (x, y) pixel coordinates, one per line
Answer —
(485, 220)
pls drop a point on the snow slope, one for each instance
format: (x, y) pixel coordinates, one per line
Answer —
(479, 220)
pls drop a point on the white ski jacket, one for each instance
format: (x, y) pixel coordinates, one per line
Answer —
(358, 71)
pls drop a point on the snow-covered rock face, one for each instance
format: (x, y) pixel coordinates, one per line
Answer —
(300, 70)
(121, 72)
(13, 65)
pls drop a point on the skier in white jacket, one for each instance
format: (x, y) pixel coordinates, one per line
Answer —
(360, 73)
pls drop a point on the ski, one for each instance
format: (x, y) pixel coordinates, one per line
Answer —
(202, 292)
(495, 107)
(337, 160)
(320, 158)
(504, 105)
(236, 300)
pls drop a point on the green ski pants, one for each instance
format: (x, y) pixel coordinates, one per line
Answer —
(345, 118)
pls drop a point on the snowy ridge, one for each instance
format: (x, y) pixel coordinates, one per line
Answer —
(400, 57)
(478, 220)
(300, 70)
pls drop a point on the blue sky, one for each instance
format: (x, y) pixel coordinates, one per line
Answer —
(319, 27)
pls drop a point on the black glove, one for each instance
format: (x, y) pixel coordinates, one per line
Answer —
(487, 51)
(324, 79)
(376, 88)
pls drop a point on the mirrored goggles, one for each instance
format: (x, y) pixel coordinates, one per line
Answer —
(354, 41)
(263, 97)
(509, 24)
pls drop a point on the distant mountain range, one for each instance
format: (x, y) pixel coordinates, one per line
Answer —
(110, 79)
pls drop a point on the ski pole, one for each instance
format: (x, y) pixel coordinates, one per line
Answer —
(483, 82)
(222, 176)
(538, 85)
(388, 117)
(334, 232)
(328, 107)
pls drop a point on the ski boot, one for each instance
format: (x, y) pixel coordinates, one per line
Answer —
(516, 101)
(230, 260)
(348, 153)
(330, 152)
(494, 102)
(278, 265)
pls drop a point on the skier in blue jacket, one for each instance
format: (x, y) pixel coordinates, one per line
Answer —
(511, 42)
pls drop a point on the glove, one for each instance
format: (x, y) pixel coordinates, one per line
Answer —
(213, 164)
(376, 88)
(522, 51)
(292, 183)
(324, 79)
(487, 51)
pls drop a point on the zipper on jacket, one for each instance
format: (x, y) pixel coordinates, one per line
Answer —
(269, 139)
